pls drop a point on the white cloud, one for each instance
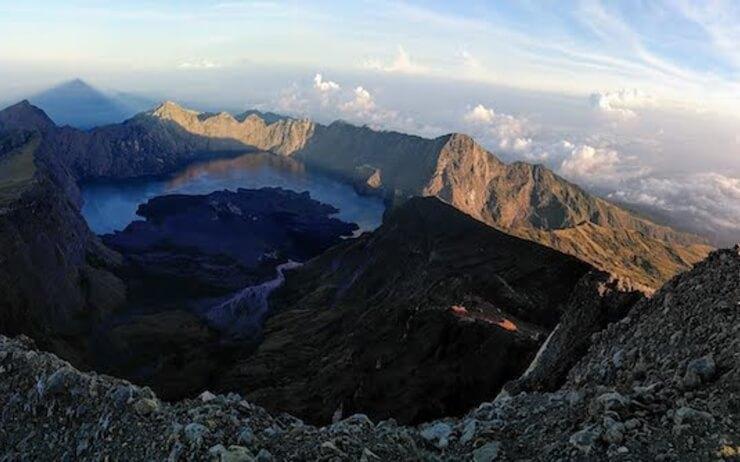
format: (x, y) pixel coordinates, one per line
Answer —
(362, 103)
(706, 202)
(199, 64)
(621, 102)
(504, 131)
(480, 115)
(326, 101)
(597, 165)
(401, 64)
(292, 101)
(587, 162)
(324, 86)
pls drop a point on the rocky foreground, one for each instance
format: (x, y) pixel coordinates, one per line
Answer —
(661, 384)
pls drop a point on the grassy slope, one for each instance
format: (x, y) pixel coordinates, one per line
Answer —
(17, 171)
(631, 255)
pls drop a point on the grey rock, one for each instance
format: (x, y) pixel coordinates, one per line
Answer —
(368, 455)
(468, 431)
(618, 358)
(438, 433)
(194, 433)
(488, 452)
(586, 439)
(61, 381)
(574, 397)
(704, 367)
(206, 396)
(215, 451)
(608, 402)
(121, 394)
(175, 452)
(232, 454)
(613, 431)
(685, 414)
(632, 424)
(690, 380)
(246, 436)
(358, 420)
(146, 406)
(264, 456)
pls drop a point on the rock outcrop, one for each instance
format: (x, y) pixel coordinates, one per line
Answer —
(662, 384)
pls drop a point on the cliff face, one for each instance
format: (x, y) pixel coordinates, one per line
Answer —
(402, 321)
(169, 136)
(54, 276)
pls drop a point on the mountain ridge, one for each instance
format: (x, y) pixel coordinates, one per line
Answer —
(527, 200)
(520, 198)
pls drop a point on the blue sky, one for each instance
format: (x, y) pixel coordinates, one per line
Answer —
(636, 100)
(683, 52)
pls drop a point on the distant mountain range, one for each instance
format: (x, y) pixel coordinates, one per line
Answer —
(523, 199)
(78, 104)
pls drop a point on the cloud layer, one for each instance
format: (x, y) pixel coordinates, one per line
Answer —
(199, 64)
(708, 203)
(600, 166)
(621, 103)
(401, 64)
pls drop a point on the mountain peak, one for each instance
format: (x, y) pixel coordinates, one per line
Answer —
(171, 110)
(24, 116)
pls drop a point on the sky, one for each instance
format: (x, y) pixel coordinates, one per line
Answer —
(637, 101)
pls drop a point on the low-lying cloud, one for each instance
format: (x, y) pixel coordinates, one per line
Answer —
(600, 166)
(706, 203)
(502, 131)
(199, 64)
(622, 103)
(401, 64)
(324, 86)
(327, 100)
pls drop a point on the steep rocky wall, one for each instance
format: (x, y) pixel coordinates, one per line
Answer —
(54, 273)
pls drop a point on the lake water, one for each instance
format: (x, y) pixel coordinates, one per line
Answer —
(111, 206)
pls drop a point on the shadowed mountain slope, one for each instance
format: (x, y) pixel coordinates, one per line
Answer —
(425, 317)
(55, 276)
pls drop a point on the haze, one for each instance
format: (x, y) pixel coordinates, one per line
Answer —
(637, 102)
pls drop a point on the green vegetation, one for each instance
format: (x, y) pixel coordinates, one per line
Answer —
(17, 170)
